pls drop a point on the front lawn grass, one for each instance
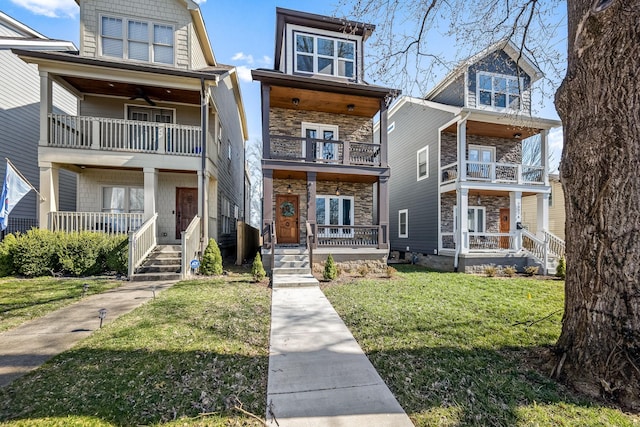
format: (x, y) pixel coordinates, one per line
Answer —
(459, 350)
(186, 358)
(26, 299)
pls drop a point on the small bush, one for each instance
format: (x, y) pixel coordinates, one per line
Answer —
(490, 270)
(211, 260)
(363, 270)
(36, 253)
(561, 268)
(531, 270)
(82, 254)
(391, 272)
(7, 250)
(330, 271)
(257, 269)
(509, 271)
(115, 253)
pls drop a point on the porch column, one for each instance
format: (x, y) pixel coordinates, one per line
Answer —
(544, 155)
(384, 157)
(49, 186)
(203, 203)
(462, 150)
(383, 211)
(543, 213)
(463, 219)
(150, 192)
(45, 108)
(266, 107)
(311, 202)
(515, 206)
(267, 198)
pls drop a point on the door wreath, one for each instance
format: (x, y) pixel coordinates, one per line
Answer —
(287, 209)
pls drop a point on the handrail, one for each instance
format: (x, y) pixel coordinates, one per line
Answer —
(141, 243)
(190, 239)
(286, 147)
(494, 172)
(557, 246)
(536, 247)
(106, 222)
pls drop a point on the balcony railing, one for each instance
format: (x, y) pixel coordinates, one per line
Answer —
(106, 222)
(481, 242)
(353, 236)
(495, 173)
(324, 151)
(98, 133)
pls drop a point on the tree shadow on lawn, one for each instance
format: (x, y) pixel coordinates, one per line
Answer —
(475, 386)
(138, 387)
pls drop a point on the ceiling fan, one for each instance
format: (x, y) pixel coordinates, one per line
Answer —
(140, 93)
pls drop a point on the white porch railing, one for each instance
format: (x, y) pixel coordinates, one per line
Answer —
(481, 242)
(556, 244)
(348, 235)
(494, 172)
(141, 243)
(537, 248)
(99, 133)
(190, 245)
(106, 222)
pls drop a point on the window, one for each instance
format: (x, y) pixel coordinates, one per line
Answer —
(498, 91)
(219, 137)
(322, 150)
(476, 219)
(334, 210)
(123, 199)
(422, 160)
(229, 149)
(324, 55)
(403, 223)
(479, 162)
(145, 41)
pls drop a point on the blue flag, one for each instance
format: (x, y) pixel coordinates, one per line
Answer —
(13, 190)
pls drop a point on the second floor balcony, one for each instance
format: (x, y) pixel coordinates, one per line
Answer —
(312, 150)
(493, 172)
(99, 133)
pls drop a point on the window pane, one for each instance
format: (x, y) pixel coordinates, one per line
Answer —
(163, 54)
(346, 212)
(113, 199)
(138, 31)
(346, 50)
(325, 47)
(471, 222)
(139, 51)
(312, 133)
(485, 98)
(422, 163)
(304, 43)
(345, 68)
(499, 100)
(514, 102)
(480, 220)
(111, 47)
(136, 200)
(163, 34)
(320, 210)
(325, 66)
(327, 134)
(487, 156)
(403, 223)
(305, 63)
(334, 207)
(474, 155)
(499, 84)
(484, 82)
(111, 27)
(512, 85)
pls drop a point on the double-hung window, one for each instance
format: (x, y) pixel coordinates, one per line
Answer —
(324, 55)
(480, 161)
(137, 40)
(336, 212)
(499, 91)
(121, 200)
(476, 219)
(422, 160)
(403, 223)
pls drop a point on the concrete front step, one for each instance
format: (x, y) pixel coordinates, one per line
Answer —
(290, 251)
(293, 264)
(163, 261)
(159, 268)
(293, 281)
(156, 277)
(291, 257)
(279, 271)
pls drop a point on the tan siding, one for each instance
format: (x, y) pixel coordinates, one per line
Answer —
(197, 56)
(114, 108)
(556, 211)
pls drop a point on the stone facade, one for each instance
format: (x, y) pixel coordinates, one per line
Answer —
(507, 150)
(285, 121)
(492, 205)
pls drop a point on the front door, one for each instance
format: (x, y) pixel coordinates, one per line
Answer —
(287, 230)
(505, 227)
(186, 208)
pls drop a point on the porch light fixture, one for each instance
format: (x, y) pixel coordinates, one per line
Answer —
(295, 101)
(478, 200)
(517, 135)
(338, 188)
(351, 107)
(289, 186)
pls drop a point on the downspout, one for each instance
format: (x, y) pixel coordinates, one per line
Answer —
(458, 224)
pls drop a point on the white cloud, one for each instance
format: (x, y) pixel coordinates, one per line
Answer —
(266, 60)
(555, 141)
(50, 8)
(244, 73)
(240, 56)
(199, 1)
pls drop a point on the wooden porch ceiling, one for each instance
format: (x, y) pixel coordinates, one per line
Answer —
(495, 130)
(476, 193)
(127, 90)
(328, 102)
(297, 175)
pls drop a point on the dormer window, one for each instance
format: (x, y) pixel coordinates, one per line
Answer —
(137, 40)
(498, 91)
(324, 55)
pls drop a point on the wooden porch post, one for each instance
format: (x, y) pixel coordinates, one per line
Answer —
(544, 156)
(462, 150)
(150, 192)
(542, 223)
(266, 106)
(45, 108)
(383, 211)
(463, 219)
(384, 158)
(515, 205)
(267, 198)
(311, 203)
(49, 186)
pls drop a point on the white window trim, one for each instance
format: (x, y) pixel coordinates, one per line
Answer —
(493, 107)
(480, 148)
(127, 188)
(150, 109)
(320, 127)
(484, 218)
(327, 209)
(406, 234)
(125, 38)
(426, 150)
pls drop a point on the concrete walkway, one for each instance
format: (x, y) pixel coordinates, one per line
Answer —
(318, 374)
(30, 345)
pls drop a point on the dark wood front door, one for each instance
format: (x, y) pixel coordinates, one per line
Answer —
(505, 227)
(287, 230)
(186, 208)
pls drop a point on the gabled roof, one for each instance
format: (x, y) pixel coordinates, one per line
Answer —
(28, 38)
(513, 51)
(288, 16)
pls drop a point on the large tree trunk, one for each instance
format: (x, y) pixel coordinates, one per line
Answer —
(599, 103)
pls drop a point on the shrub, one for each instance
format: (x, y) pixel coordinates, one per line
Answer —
(211, 260)
(509, 271)
(257, 270)
(531, 270)
(391, 272)
(561, 268)
(83, 254)
(490, 270)
(7, 251)
(330, 271)
(36, 253)
(115, 253)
